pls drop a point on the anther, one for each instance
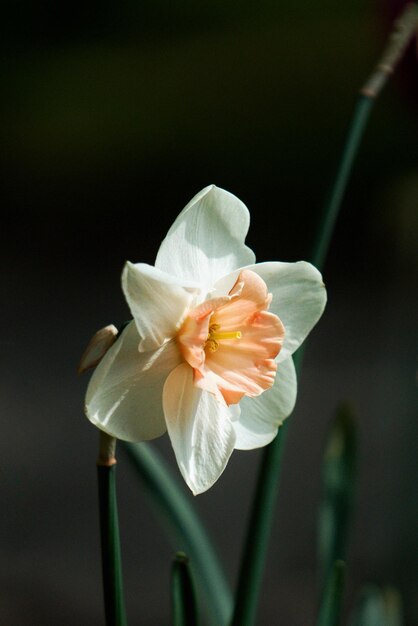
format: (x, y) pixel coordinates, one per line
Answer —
(214, 337)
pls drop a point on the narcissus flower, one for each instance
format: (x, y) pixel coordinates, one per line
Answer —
(207, 356)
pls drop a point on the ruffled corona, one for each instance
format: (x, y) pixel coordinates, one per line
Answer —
(231, 342)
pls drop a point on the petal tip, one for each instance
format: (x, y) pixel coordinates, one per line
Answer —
(128, 266)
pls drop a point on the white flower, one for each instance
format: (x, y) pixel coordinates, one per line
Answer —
(208, 353)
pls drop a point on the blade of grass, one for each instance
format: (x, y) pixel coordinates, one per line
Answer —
(185, 530)
(261, 516)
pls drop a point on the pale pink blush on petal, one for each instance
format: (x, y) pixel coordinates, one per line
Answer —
(253, 296)
(192, 338)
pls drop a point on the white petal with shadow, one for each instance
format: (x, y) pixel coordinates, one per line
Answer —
(124, 396)
(200, 429)
(206, 240)
(158, 302)
(299, 298)
(261, 417)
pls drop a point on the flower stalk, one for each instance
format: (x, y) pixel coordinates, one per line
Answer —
(109, 532)
(404, 28)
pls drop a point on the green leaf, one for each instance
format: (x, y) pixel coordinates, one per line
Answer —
(182, 593)
(183, 526)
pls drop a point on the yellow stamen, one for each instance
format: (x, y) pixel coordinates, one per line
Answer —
(231, 335)
(214, 337)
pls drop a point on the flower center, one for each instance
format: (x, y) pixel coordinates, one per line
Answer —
(215, 336)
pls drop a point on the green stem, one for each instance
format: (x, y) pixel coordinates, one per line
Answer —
(338, 477)
(182, 593)
(404, 29)
(329, 612)
(111, 557)
(185, 529)
(333, 205)
(261, 517)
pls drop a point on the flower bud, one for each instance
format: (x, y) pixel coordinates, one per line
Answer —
(97, 347)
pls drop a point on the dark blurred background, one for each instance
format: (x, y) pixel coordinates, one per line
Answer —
(113, 115)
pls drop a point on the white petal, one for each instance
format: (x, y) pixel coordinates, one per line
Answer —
(260, 417)
(158, 302)
(124, 397)
(206, 240)
(299, 299)
(200, 429)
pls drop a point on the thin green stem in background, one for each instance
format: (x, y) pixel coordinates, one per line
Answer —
(332, 207)
(183, 526)
(404, 29)
(330, 609)
(338, 477)
(109, 532)
(261, 517)
(183, 597)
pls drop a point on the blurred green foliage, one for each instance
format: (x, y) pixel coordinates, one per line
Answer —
(378, 607)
